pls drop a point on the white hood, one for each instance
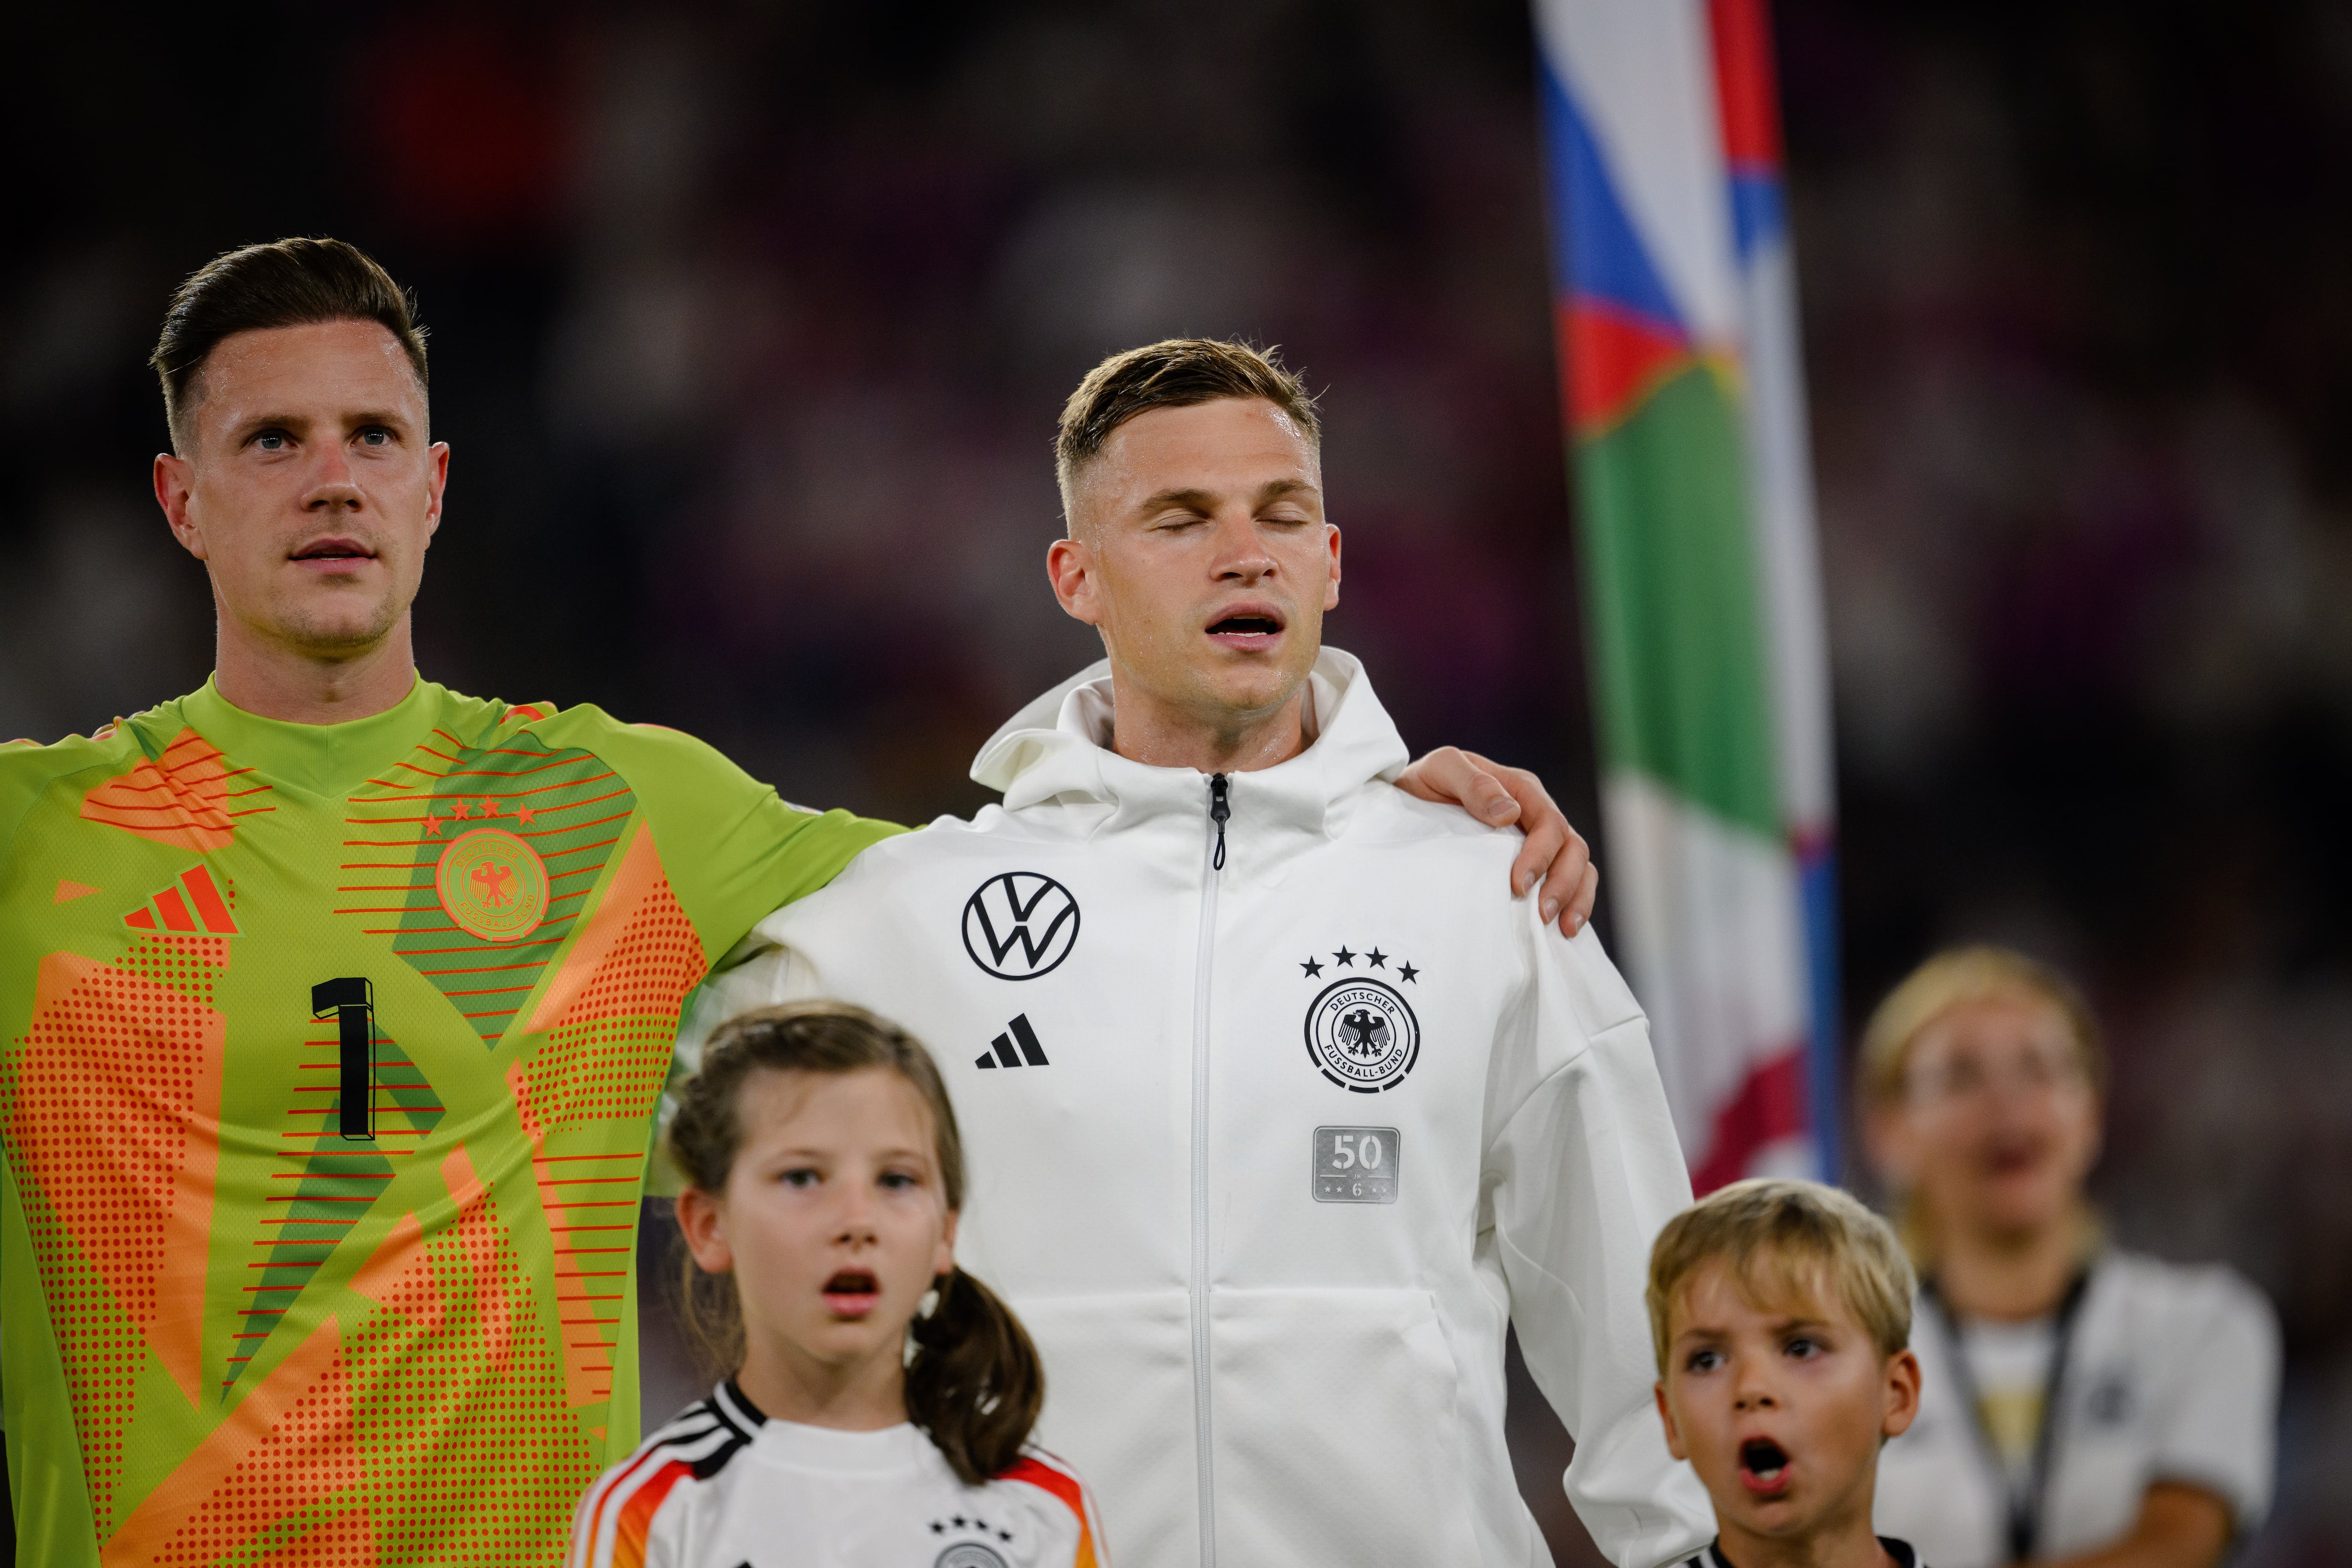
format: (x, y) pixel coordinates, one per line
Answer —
(1058, 750)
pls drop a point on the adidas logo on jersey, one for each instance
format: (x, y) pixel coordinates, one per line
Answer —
(1031, 1051)
(193, 904)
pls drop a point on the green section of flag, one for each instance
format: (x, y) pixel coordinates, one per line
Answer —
(1671, 592)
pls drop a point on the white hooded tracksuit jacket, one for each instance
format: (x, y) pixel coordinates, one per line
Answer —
(1267, 1154)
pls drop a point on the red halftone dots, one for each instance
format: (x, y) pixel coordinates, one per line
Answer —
(607, 1058)
(112, 1103)
(281, 1483)
(603, 1063)
(461, 1416)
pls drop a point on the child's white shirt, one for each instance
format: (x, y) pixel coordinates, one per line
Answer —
(723, 1486)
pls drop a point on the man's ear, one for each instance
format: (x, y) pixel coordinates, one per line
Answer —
(1331, 589)
(438, 454)
(1666, 1415)
(699, 1217)
(1902, 1393)
(1070, 567)
(175, 479)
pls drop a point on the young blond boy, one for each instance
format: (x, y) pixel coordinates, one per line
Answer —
(1781, 1313)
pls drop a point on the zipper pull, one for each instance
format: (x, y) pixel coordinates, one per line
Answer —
(1219, 810)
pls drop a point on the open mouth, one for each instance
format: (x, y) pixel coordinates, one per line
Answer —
(1247, 625)
(335, 550)
(1763, 1465)
(852, 1292)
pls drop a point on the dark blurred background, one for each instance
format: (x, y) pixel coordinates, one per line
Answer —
(751, 324)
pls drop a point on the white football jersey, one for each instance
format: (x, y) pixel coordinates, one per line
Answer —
(723, 1486)
(2164, 1374)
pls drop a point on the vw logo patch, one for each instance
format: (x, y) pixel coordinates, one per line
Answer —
(1020, 925)
(1362, 1035)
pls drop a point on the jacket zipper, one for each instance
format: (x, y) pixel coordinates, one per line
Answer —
(1214, 851)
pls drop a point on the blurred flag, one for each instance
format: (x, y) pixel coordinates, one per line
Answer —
(1676, 313)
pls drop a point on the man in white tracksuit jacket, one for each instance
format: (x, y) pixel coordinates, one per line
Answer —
(1277, 1114)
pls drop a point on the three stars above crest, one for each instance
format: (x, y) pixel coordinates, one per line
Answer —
(458, 812)
(1345, 958)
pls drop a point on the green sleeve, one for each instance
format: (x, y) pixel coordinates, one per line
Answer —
(734, 851)
(25, 770)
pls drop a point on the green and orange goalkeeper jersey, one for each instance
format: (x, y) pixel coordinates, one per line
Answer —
(329, 1057)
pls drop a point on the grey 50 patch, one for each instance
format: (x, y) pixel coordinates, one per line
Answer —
(1357, 1164)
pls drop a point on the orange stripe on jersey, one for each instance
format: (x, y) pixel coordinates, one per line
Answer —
(174, 910)
(177, 802)
(210, 908)
(637, 1518)
(587, 1529)
(1062, 1485)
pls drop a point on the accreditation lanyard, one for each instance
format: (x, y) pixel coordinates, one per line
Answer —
(2025, 1507)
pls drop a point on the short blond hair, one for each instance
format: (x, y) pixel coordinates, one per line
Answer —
(1960, 975)
(1175, 373)
(1781, 1239)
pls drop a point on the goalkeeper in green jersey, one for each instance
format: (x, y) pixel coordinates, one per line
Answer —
(334, 1008)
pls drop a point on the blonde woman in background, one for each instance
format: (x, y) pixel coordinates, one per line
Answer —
(2083, 1405)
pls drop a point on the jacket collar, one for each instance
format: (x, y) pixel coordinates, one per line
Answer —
(1057, 750)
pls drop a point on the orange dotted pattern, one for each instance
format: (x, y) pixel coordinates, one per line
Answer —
(438, 1432)
(609, 1056)
(98, 1098)
(344, 1541)
(190, 798)
(604, 1060)
(306, 1457)
(462, 1419)
(185, 964)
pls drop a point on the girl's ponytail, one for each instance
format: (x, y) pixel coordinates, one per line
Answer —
(975, 1384)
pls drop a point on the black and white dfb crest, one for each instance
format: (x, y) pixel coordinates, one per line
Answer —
(1362, 1035)
(969, 1554)
(1020, 925)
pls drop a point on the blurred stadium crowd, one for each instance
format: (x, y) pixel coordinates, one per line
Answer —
(751, 324)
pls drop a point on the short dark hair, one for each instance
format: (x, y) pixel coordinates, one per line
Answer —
(287, 283)
(1173, 374)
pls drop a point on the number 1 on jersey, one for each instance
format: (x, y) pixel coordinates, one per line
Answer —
(353, 1004)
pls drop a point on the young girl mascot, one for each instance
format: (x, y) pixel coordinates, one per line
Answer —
(879, 1413)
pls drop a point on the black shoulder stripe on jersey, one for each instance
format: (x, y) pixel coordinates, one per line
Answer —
(694, 1421)
(737, 1410)
(713, 1462)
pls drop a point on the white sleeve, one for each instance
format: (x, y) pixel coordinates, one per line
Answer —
(1582, 1173)
(2219, 1430)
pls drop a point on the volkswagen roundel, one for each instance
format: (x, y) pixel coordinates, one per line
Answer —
(1020, 925)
